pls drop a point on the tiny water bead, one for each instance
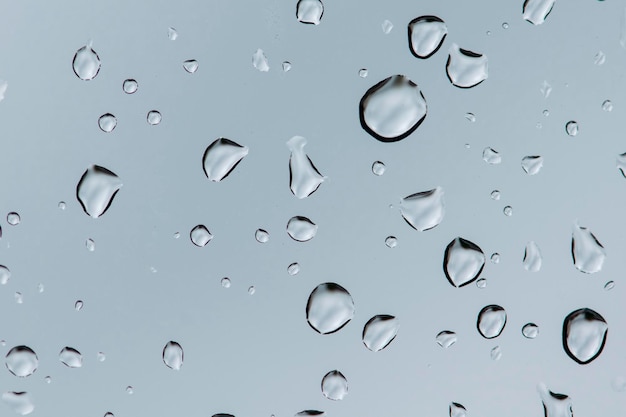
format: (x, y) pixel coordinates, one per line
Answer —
(47, 379)
(446, 338)
(251, 290)
(334, 386)
(109, 414)
(505, 25)
(584, 335)
(225, 282)
(301, 229)
(380, 331)
(496, 353)
(530, 330)
(508, 211)
(221, 157)
(293, 268)
(173, 355)
(607, 105)
(378, 168)
(19, 298)
(259, 61)
(200, 235)
(481, 283)
(13, 218)
(386, 26)
(190, 65)
(536, 11)
(86, 63)
(153, 117)
(5, 274)
(466, 69)
(491, 321)
(363, 72)
(130, 86)
(391, 242)
(545, 89)
(309, 11)
(78, 305)
(90, 245)
(101, 357)
(96, 189)
(22, 361)
(599, 58)
(261, 236)
(546, 112)
(571, 128)
(71, 357)
(62, 205)
(172, 34)
(107, 122)
(470, 117)
(495, 195)
(495, 258)
(130, 390)
(329, 308)
(286, 66)
(40, 288)
(426, 35)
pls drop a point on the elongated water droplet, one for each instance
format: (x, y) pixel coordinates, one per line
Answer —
(101, 357)
(22, 361)
(304, 177)
(465, 68)
(380, 331)
(19, 298)
(532, 164)
(301, 229)
(391, 242)
(496, 353)
(107, 122)
(386, 26)
(90, 245)
(13, 218)
(426, 35)
(587, 253)
(221, 157)
(491, 156)
(491, 321)
(555, 405)
(463, 261)
(457, 410)
(172, 34)
(334, 386)
(70, 357)
(261, 236)
(130, 86)
(86, 63)
(225, 282)
(293, 268)
(599, 58)
(309, 11)
(609, 285)
(154, 117)
(378, 168)
(446, 338)
(200, 235)
(571, 128)
(392, 109)
(259, 61)
(19, 402)
(96, 189)
(3, 89)
(310, 413)
(329, 308)
(545, 89)
(173, 355)
(190, 65)
(424, 210)
(532, 257)
(530, 330)
(78, 305)
(536, 11)
(584, 335)
(5, 275)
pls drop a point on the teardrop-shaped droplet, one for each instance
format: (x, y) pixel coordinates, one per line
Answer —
(5, 275)
(309, 11)
(424, 210)
(19, 402)
(173, 355)
(532, 164)
(555, 405)
(587, 253)
(261, 236)
(378, 168)
(13, 218)
(392, 109)
(491, 321)
(154, 117)
(571, 128)
(200, 235)
(96, 189)
(301, 229)
(190, 65)
(107, 122)
(379, 332)
(329, 308)
(70, 357)
(532, 257)
(86, 63)
(386, 26)
(536, 11)
(221, 157)
(530, 330)
(259, 61)
(457, 410)
(22, 361)
(584, 335)
(463, 261)
(130, 86)
(446, 338)
(304, 177)
(426, 35)
(334, 386)
(465, 68)
(491, 156)
(293, 268)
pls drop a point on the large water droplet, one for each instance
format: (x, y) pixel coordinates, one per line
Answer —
(584, 335)
(301, 229)
(70, 357)
(491, 156)
(107, 122)
(532, 164)
(446, 338)
(130, 86)
(20, 402)
(555, 405)
(200, 235)
(465, 68)
(424, 210)
(22, 361)
(530, 330)
(536, 11)
(380, 331)
(309, 11)
(463, 261)
(392, 109)
(5, 275)
(334, 386)
(260, 62)
(154, 117)
(304, 177)
(221, 157)
(587, 253)
(457, 410)
(491, 321)
(96, 189)
(532, 257)
(173, 355)
(86, 63)
(571, 128)
(13, 218)
(426, 35)
(329, 308)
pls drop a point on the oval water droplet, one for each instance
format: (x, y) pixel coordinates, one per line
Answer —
(304, 177)
(571, 128)
(86, 63)
(96, 189)
(71, 357)
(173, 355)
(386, 26)
(532, 257)
(466, 69)
(286, 66)
(334, 386)
(363, 73)
(380, 331)
(293, 268)
(536, 11)
(154, 117)
(378, 168)
(225, 282)
(22, 361)
(329, 308)
(496, 353)
(555, 405)
(491, 321)
(301, 229)
(130, 86)
(107, 122)
(200, 235)
(607, 105)
(530, 330)
(532, 164)
(190, 65)
(62, 205)
(5, 275)
(172, 34)
(13, 218)
(309, 11)
(457, 410)
(90, 245)
(19, 298)
(424, 210)
(19, 402)
(584, 335)
(587, 253)
(261, 236)
(495, 195)
(481, 283)
(391, 241)
(426, 35)
(259, 61)
(609, 285)
(78, 305)
(392, 109)
(491, 156)
(508, 211)
(251, 290)
(446, 338)
(463, 261)
(221, 157)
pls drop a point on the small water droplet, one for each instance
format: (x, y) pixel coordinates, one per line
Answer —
(532, 257)
(309, 11)
(190, 65)
(426, 35)
(463, 261)
(545, 89)
(62, 205)
(532, 164)
(424, 210)
(259, 61)
(19, 298)
(466, 69)
(173, 355)
(391, 241)
(130, 86)
(334, 386)
(495, 195)
(101, 357)
(286, 66)
(19, 402)
(446, 338)
(457, 410)
(546, 112)
(495, 258)
(536, 11)
(107, 122)
(71, 357)
(607, 105)
(293, 268)
(467, 146)
(200, 235)
(599, 58)
(555, 405)
(78, 305)
(530, 330)
(481, 283)
(221, 157)
(491, 321)
(378, 168)
(363, 72)
(154, 117)
(571, 128)
(301, 229)
(310, 413)
(329, 308)
(172, 34)
(491, 156)
(225, 282)
(379, 332)
(618, 383)
(588, 253)
(40, 288)
(386, 26)
(3, 89)
(130, 390)
(505, 25)
(496, 353)
(261, 236)
(508, 211)
(304, 177)
(86, 63)
(22, 361)
(5, 274)
(47, 379)
(3, 342)
(584, 335)
(96, 189)
(13, 218)
(470, 117)
(251, 290)
(90, 245)
(609, 285)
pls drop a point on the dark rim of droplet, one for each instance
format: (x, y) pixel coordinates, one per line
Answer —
(381, 318)
(218, 142)
(101, 170)
(328, 375)
(363, 103)
(310, 413)
(492, 307)
(588, 314)
(420, 195)
(465, 244)
(332, 287)
(426, 19)
(309, 23)
(456, 405)
(223, 415)
(74, 63)
(466, 53)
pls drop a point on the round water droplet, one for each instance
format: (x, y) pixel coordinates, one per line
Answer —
(225, 282)
(78, 305)
(536, 11)
(86, 63)
(200, 235)
(463, 261)
(530, 330)
(70, 357)
(19, 298)
(378, 168)
(96, 189)
(221, 157)
(457, 410)
(329, 308)
(286, 66)
(173, 355)
(172, 34)
(363, 72)
(505, 25)
(496, 353)
(19, 402)
(154, 117)
(130, 390)
(481, 283)
(13, 218)
(584, 335)
(465, 68)
(426, 35)
(5, 275)
(309, 11)
(424, 210)
(130, 86)
(391, 241)
(90, 245)
(47, 379)
(609, 285)
(532, 257)
(446, 338)
(386, 27)
(62, 205)
(251, 290)
(495, 258)
(22, 361)
(261, 236)
(301, 229)
(190, 65)
(392, 109)
(491, 321)
(334, 386)
(293, 269)
(259, 61)
(380, 331)
(588, 253)
(546, 112)
(101, 357)
(107, 122)
(532, 164)
(571, 128)
(491, 156)
(470, 117)
(607, 105)
(304, 177)
(508, 211)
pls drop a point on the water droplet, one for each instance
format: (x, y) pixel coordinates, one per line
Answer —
(424, 210)
(618, 383)
(532, 257)
(47, 379)
(190, 65)
(19, 298)
(259, 60)
(386, 26)
(261, 236)
(251, 290)
(334, 386)
(304, 177)
(491, 321)
(200, 235)
(491, 156)
(19, 402)
(3, 89)
(329, 308)
(508, 211)
(293, 268)
(496, 353)
(221, 157)
(392, 109)
(465, 68)
(130, 390)
(607, 105)
(310, 413)
(177, 235)
(545, 89)
(70, 357)
(78, 305)
(107, 122)
(495, 195)
(599, 58)
(530, 330)
(96, 189)
(13, 218)
(555, 405)
(378, 168)
(309, 11)
(609, 285)
(463, 261)
(571, 128)
(22, 361)
(301, 229)
(505, 25)
(286, 66)
(391, 241)
(536, 11)
(86, 63)
(481, 283)
(3, 342)
(532, 164)
(457, 410)
(470, 117)
(584, 335)
(363, 72)
(426, 35)
(154, 117)
(172, 34)
(90, 245)
(5, 275)
(546, 112)
(173, 355)
(621, 164)
(587, 253)
(380, 331)
(40, 288)
(225, 282)
(130, 86)
(109, 414)
(446, 338)
(495, 258)
(101, 357)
